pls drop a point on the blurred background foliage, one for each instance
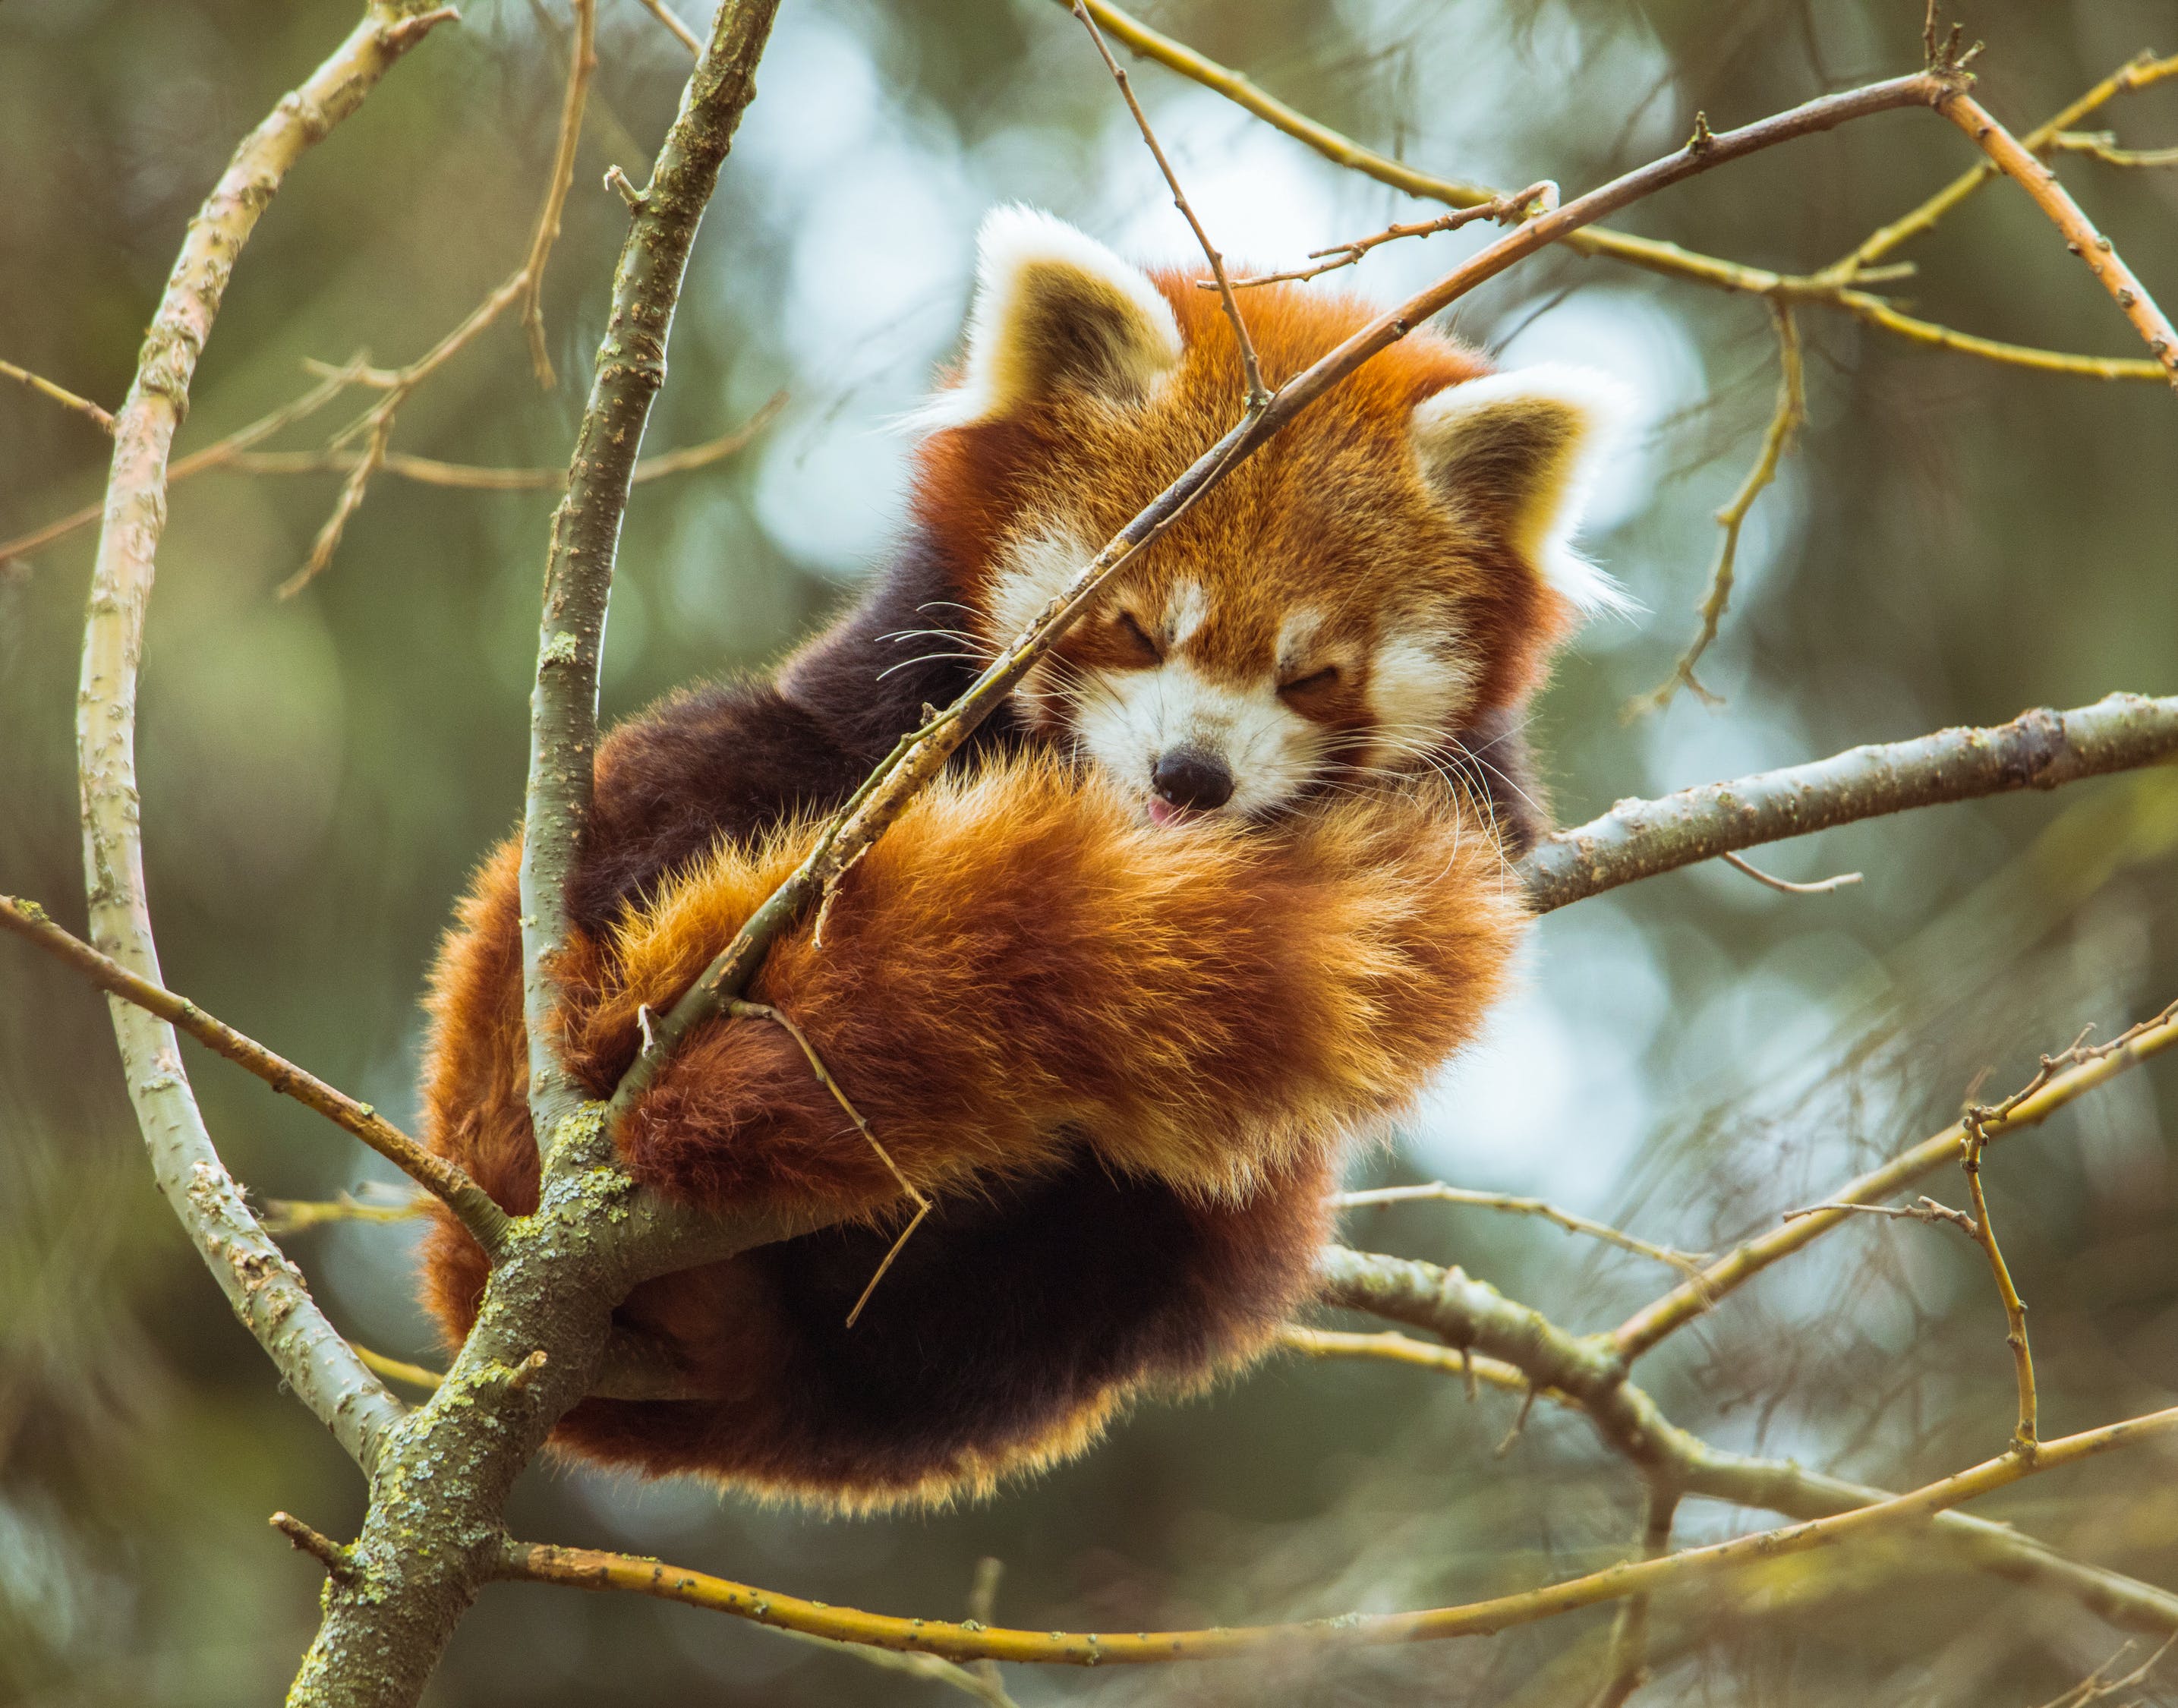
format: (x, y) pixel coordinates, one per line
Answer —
(1953, 542)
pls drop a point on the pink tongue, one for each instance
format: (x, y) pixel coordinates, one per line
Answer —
(1161, 811)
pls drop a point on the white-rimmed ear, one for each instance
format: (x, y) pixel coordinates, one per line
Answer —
(1054, 307)
(1515, 453)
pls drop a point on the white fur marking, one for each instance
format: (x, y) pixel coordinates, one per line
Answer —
(1184, 613)
(1417, 688)
(1132, 719)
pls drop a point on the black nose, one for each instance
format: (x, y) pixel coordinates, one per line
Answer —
(1189, 777)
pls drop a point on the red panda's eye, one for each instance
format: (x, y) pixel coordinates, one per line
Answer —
(1314, 681)
(1138, 637)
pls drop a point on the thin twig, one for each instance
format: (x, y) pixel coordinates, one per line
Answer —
(2099, 1684)
(2102, 145)
(582, 62)
(2066, 1078)
(321, 1547)
(1792, 409)
(686, 37)
(2040, 749)
(1668, 259)
(1825, 886)
(1259, 394)
(399, 1370)
(2025, 1430)
(2143, 70)
(1506, 209)
(60, 395)
(759, 1010)
(435, 1174)
(1926, 1210)
(374, 427)
(430, 471)
(1627, 1662)
(1439, 1193)
(295, 1215)
(594, 1569)
(333, 381)
(2015, 162)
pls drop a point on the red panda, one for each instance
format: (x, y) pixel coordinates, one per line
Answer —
(1200, 903)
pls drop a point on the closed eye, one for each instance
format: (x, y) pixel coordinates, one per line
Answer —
(1137, 637)
(1315, 682)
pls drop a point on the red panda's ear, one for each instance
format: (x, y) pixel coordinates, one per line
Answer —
(1515, 454)
(1054, 308)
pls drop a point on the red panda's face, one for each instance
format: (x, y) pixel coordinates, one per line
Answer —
(1388, 571)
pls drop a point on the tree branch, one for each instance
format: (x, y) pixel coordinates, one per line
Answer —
(2051, 1091)
(60, 395)
(2040, 749)
(593, 1569)
(266, 1291)
(582, 62)
(1437, 1193)
(1514, 1347)
(469, 1202)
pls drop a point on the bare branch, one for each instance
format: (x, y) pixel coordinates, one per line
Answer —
(1516, 1348)
(686, 37)
(582, 62)
(266, 1291)
(2051, 1091)
(1825, 886)
(2025, 1430)
(374, 427)
(430, 471)
(591, 1568)
(1927, 1210)
(2040, 749)
(2102, 145)
(2142, 71)
(442, 1178)
(284, 1216)
(1668, 259)
(1784, 423)
(1508, 209)
(60, 395)
(213, 456)
(1437, 1193)
(1259, 394)
(2017, 163)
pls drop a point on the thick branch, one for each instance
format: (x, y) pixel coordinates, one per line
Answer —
(1514, 1347)
(2040, 749)
(2051, 1093)
(591, 1569)
(630, 367)
(460, 1194)
(266, 1291)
